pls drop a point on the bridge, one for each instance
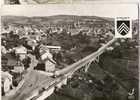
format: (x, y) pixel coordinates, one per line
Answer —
(36, 85)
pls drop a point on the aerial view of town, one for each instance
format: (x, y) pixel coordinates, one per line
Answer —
(67, 57)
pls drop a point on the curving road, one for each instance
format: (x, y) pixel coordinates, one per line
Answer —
(34, 80)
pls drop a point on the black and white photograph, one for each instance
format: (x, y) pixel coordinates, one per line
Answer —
(69, 52)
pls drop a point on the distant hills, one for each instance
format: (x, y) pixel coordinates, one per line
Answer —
(53, 19)
(57, 19)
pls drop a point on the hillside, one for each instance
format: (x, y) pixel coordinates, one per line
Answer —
(52, 19)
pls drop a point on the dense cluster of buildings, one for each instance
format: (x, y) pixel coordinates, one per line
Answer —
(20, 41)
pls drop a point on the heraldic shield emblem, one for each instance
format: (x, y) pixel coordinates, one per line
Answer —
(123, 27)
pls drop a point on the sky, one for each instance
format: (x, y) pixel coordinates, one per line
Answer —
(85, 9)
